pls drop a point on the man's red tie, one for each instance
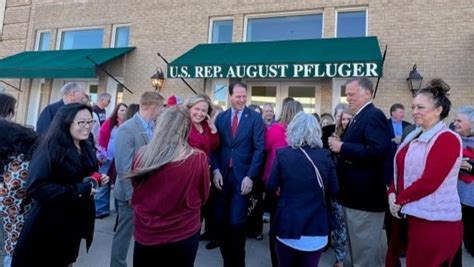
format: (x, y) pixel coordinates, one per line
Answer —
(235, 124)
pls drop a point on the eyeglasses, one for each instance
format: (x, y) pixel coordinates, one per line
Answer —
(83, 124)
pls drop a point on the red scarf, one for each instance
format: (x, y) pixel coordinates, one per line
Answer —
(467, 152)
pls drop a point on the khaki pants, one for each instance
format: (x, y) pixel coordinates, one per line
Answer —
(364, 229)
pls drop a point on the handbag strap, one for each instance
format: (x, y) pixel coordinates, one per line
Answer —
(318, 175)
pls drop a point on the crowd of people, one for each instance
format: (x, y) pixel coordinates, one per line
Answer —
(335, 179)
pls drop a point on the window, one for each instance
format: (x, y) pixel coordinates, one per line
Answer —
(121, 36)
(305, 95)
(263, 94)
(221, 31)
(220, 89)
(42, 41)
(285, 28)
(351, 24)
(79, 39)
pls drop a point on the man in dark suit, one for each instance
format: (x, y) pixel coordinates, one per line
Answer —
(236, 164)
(72, 92)
(362, 152)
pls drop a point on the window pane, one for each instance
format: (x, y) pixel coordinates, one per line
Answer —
(222, 31)
(121, 36)
(82, 39)
(285, 28)
(305, 95)
(263, 94)
(44, 41)
(351, 24)
(220, 95)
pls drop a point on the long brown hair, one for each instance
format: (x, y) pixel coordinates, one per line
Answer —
(169, 143)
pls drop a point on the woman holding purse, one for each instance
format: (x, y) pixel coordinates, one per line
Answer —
(306, 175)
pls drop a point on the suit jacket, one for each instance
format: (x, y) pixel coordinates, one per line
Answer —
(301, 208)
(404, 125)
(47, 116)
(246, 149)
(361, 161)
(131, 136)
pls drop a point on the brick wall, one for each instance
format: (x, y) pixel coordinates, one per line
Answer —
(436, 35)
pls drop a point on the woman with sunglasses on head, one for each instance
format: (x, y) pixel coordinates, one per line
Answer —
(62, 180)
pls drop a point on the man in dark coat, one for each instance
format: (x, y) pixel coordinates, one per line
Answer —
(362, 152)
(72, 92)
(236, 165)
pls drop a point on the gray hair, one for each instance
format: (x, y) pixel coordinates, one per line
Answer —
(304, 129)
(363, 83)
(469, 112)
(72, 87)
(104, 96)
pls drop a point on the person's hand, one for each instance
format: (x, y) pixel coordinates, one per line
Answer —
(335, 144)
(217, 179)
(246, 186)
(104, 179)
(465, 165)
(394, 208)
(210, 122)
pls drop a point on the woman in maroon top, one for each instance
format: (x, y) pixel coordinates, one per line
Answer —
(203, 131)
(171, 183)
(204, 136)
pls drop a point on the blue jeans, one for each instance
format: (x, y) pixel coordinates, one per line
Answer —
(102, 197)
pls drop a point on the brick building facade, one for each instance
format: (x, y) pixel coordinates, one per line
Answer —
(437, 35)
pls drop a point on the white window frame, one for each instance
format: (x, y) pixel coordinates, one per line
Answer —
(282, 14)
(114, 32)
(37, 38)
(353, 9)
(3, 5)
(211, 26)
(60, 33)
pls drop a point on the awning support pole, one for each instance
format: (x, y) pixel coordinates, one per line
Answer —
(12, 86)
(182, 79)
(378, 79)
(108, 74)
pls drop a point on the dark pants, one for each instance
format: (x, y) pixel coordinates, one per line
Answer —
(181, 253)
(290, 257)
(231, 216)
(271, 200)
(255, 218)
(208, 214)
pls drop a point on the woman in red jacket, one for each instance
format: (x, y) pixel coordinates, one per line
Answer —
(171, 183)
(204, 137)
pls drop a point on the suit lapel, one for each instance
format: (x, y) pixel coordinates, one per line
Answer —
(357, 119)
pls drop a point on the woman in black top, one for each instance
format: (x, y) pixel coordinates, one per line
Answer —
(61, 187)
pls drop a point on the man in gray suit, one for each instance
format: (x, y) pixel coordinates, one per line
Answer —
(131, 136)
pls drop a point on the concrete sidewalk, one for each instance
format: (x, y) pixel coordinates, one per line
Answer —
(257, 252)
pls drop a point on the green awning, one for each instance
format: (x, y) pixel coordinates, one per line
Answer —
(58, 63)
(315, 58)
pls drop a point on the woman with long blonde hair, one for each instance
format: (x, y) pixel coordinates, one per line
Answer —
(168, 170)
